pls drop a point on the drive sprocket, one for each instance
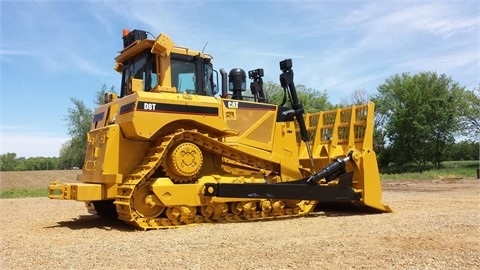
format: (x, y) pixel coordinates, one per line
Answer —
(183, 162)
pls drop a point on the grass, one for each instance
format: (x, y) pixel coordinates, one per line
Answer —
(449, 170)
(28, 184)
(23, 193)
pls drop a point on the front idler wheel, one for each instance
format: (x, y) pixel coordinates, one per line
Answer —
(145, 203)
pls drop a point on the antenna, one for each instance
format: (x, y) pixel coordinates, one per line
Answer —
(151, 34)
(204, 46)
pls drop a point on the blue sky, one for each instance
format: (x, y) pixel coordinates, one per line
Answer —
(53, 50)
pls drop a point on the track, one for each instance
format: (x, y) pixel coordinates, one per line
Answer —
(137, 204)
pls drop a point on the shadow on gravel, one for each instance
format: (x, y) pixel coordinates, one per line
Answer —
(94, 222)
(340, 210)
(111, 223)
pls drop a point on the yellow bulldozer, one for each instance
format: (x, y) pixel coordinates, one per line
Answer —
(173, 149)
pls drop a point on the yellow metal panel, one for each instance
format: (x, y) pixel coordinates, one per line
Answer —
(97, 149)
(134, 85)
(170, 194)
(367, 179)
(137, 124)
(111, 191)
(336, 132)
(186, 194)
(285, 150)
(165, 73)
(109, 155)
(163, 45)
(87, 192)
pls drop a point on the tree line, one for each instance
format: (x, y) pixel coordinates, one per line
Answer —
(10, 162)
(417, 120)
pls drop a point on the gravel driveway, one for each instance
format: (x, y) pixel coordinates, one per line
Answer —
(435, 225)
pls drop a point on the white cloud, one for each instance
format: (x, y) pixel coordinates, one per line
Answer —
(440, 18)
(28, 141)
(448, 62)
(31, 145)
(85, 64)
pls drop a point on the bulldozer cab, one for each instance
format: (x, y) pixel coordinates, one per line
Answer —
(157, 66)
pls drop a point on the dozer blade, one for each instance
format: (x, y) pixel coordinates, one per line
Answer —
(341, 133)
(370, 184)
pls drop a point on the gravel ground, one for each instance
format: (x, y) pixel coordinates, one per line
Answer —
(435, 226)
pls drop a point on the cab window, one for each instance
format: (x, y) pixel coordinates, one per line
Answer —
(141, 67)
(183, 76)
(209, 86)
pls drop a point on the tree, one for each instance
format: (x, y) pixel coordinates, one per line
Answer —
(468, 107)
(358, 97)
(273, 92)
(79, 119)
(463, 150)
(418, 113)
(100, 95)
(38, 163)
(71, 155)
(8, 162)
(311, 99)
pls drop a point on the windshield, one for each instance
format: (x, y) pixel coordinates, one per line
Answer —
(192, 75)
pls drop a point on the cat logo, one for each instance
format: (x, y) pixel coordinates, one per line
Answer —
(232, 104)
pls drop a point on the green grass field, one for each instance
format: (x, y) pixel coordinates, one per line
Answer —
(22, 184)
(449, 170)
(23, 193)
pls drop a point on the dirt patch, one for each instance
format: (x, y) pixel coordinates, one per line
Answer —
(435, 225)
(35, 179)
